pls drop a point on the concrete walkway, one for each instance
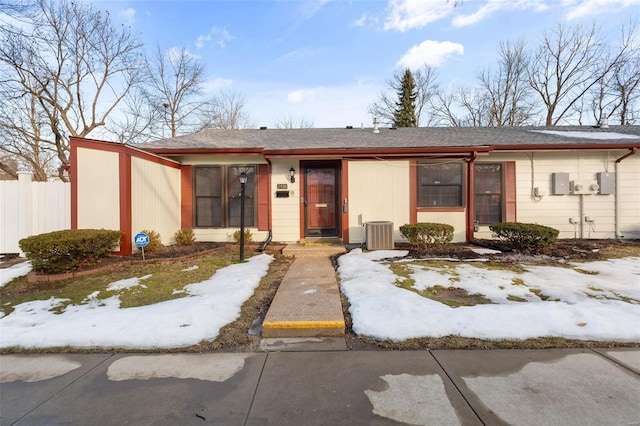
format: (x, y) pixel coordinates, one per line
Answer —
(307, 303)
(523, 387)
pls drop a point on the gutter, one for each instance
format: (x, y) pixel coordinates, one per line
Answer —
(631, 152)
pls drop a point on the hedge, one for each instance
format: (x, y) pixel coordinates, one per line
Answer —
(65, 251)
(424, 234)
(525, 236)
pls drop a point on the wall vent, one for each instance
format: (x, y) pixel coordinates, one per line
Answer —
(380, 235)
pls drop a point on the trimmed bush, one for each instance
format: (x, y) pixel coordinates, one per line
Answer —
(184, 237)
(525, 236)
(155, 242)
(426, 234)
(247, 236)
(65, 251)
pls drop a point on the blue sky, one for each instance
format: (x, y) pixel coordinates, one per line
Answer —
(327, 60)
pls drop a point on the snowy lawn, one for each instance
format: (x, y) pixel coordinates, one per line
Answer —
(588, 301)
(101, 323)
(15, 271)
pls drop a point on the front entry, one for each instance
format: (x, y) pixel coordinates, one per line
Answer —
(321, 215)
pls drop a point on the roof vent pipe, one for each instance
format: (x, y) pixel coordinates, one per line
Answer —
(375, 125)
(604, 121)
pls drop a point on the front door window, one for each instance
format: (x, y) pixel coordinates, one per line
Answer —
(321, 213)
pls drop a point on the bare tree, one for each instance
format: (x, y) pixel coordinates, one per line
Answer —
(462, 107)
(227, 110)
(507, 89)
(566, 65)
(173, 92)
(617, 93)
(74, 63)
(425, 81)
(290, 122)
(23, 142)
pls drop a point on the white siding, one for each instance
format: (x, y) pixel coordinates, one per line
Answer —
(155, 198)
(285, 211)
(535, 170)
(456, 219)
(98, 189)
(378, 191)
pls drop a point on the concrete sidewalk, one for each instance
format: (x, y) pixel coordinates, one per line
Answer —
(524, 387)
(307, 303)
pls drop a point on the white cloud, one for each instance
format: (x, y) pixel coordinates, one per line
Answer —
(220, 37)
(213, 85)
(430, 52)
(128, 15)
(408, 14)
(493, 6)
(301, 96)
(308, 8)
(360, 22)
(596, 7)
(174, 53)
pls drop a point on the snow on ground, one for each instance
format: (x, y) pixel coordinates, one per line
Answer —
(595, 300)
(15, 271)
(581, 304)
(208, 306)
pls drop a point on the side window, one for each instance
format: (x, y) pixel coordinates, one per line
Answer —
(440, 184)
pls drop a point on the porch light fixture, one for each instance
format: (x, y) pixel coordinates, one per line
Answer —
(242, 177)
(292, 175)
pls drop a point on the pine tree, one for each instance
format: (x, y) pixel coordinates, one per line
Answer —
(405, 114)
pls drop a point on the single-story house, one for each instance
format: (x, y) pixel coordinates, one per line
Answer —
(303, 183)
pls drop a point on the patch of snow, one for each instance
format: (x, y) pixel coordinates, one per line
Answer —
(210, 305)
(382, 310)
(485, 251)
(588, 135)
(15, 271)
(190, 268)
(127, 283)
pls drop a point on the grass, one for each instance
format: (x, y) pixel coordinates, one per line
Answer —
(165, 279)
(233, 337)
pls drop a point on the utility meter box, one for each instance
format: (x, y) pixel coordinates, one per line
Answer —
(560, 183)
(606, 182)
(584, 187)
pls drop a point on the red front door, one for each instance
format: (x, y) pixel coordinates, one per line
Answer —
(321, 201)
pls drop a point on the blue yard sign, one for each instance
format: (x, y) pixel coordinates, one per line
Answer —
(141, 239)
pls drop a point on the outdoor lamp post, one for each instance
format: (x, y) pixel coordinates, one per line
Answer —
(243, 179)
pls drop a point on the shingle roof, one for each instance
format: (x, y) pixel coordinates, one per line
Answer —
(446, 137)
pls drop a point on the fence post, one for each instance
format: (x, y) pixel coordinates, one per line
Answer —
(25, 205)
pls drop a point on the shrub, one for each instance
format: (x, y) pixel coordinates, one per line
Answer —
(155, 242)
(525, 236)
(425, 234)
(247, 236)
(64, 251)
(184, 237)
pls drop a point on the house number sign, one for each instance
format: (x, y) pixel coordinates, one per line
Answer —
(282, 186)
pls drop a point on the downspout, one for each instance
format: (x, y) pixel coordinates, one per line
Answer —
(631, 152)
(470, 222)
(266, 242)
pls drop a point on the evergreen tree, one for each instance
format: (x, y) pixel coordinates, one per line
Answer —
(405, 114)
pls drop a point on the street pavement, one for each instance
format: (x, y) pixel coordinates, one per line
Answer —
(296, 385)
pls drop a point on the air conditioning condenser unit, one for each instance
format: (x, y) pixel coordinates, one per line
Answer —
(380, 235)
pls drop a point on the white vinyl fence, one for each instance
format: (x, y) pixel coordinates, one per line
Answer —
(31, 208)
